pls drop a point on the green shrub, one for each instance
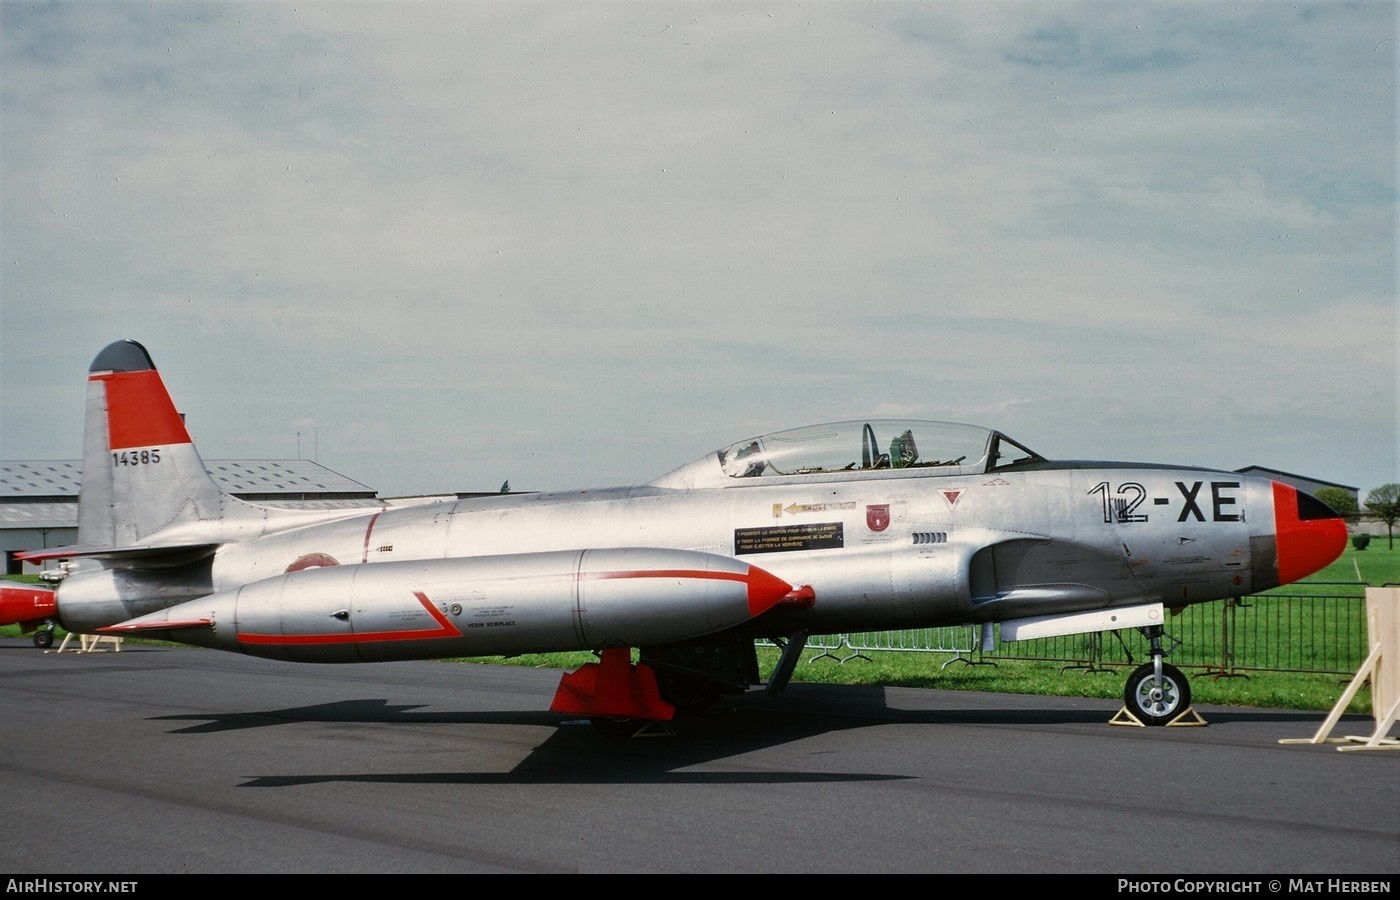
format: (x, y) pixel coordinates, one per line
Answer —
(1359, 541)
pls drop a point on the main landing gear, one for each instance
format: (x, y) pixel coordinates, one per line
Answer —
(622, 699)
(43, 638)
(1157, 693)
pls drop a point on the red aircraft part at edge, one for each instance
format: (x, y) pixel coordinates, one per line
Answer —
(139, 412)
(21, 603)
(1304, 545)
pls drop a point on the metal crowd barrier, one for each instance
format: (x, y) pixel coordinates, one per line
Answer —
(1314, 627)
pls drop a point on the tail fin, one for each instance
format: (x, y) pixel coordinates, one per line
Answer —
(146, 498)
(141, 472)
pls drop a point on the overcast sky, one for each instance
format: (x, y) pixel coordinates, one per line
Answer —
(438, 246)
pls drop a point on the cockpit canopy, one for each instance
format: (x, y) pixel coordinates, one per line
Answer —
(863, 446)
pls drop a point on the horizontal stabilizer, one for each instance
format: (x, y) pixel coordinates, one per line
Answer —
(151, 554)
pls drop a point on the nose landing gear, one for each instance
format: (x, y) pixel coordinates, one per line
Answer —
(1157, 693)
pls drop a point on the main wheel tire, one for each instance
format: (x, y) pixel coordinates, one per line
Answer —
(43, 638)
(1155, 704)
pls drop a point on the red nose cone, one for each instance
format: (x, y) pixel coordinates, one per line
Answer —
(1310, 533)
(765, 590)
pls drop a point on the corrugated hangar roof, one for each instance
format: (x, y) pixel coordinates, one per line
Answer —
(41, 478)
(43, 494)
(277, 476)
(63, 478)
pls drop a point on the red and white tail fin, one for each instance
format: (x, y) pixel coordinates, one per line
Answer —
(141, 472)
(146, 498)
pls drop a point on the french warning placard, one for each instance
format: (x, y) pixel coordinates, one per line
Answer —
(783, 538)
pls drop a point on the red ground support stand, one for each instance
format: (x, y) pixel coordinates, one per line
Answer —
(612, 688)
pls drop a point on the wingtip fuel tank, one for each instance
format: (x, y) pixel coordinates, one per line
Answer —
(28, 606)
(477, 606)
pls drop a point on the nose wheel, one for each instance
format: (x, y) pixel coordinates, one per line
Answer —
(1157, 693)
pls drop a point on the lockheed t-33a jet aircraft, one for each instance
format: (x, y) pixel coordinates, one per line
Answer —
(841, 528)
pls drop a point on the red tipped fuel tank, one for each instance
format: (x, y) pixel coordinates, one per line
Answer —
(476, 606)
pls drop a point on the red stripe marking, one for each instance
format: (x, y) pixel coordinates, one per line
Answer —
(670, 573)
(139, 411)
(764, 588)
(369, 529)
(445, 629)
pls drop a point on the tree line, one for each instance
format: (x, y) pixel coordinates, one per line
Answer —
(1382, 502)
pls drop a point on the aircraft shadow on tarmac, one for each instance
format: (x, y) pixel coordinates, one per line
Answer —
(576, 753)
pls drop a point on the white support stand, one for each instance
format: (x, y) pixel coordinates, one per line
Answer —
(1381, 668)
(1187, 718)
(90, 643)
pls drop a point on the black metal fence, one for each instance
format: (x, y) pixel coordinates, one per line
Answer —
(1312, 627)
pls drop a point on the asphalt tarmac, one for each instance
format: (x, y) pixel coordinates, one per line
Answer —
(165, 760)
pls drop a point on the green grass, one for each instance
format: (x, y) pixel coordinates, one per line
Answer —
(1378, 565)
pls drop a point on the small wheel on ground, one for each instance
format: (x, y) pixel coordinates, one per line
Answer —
(1157, 703)
(43, 638)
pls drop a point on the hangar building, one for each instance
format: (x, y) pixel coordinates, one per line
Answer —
(1301, 482)
(39, 498)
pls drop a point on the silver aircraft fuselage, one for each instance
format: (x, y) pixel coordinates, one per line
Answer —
(877, 549)
(867, 525)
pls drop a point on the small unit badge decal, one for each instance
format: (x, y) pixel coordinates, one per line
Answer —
(877, 517)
